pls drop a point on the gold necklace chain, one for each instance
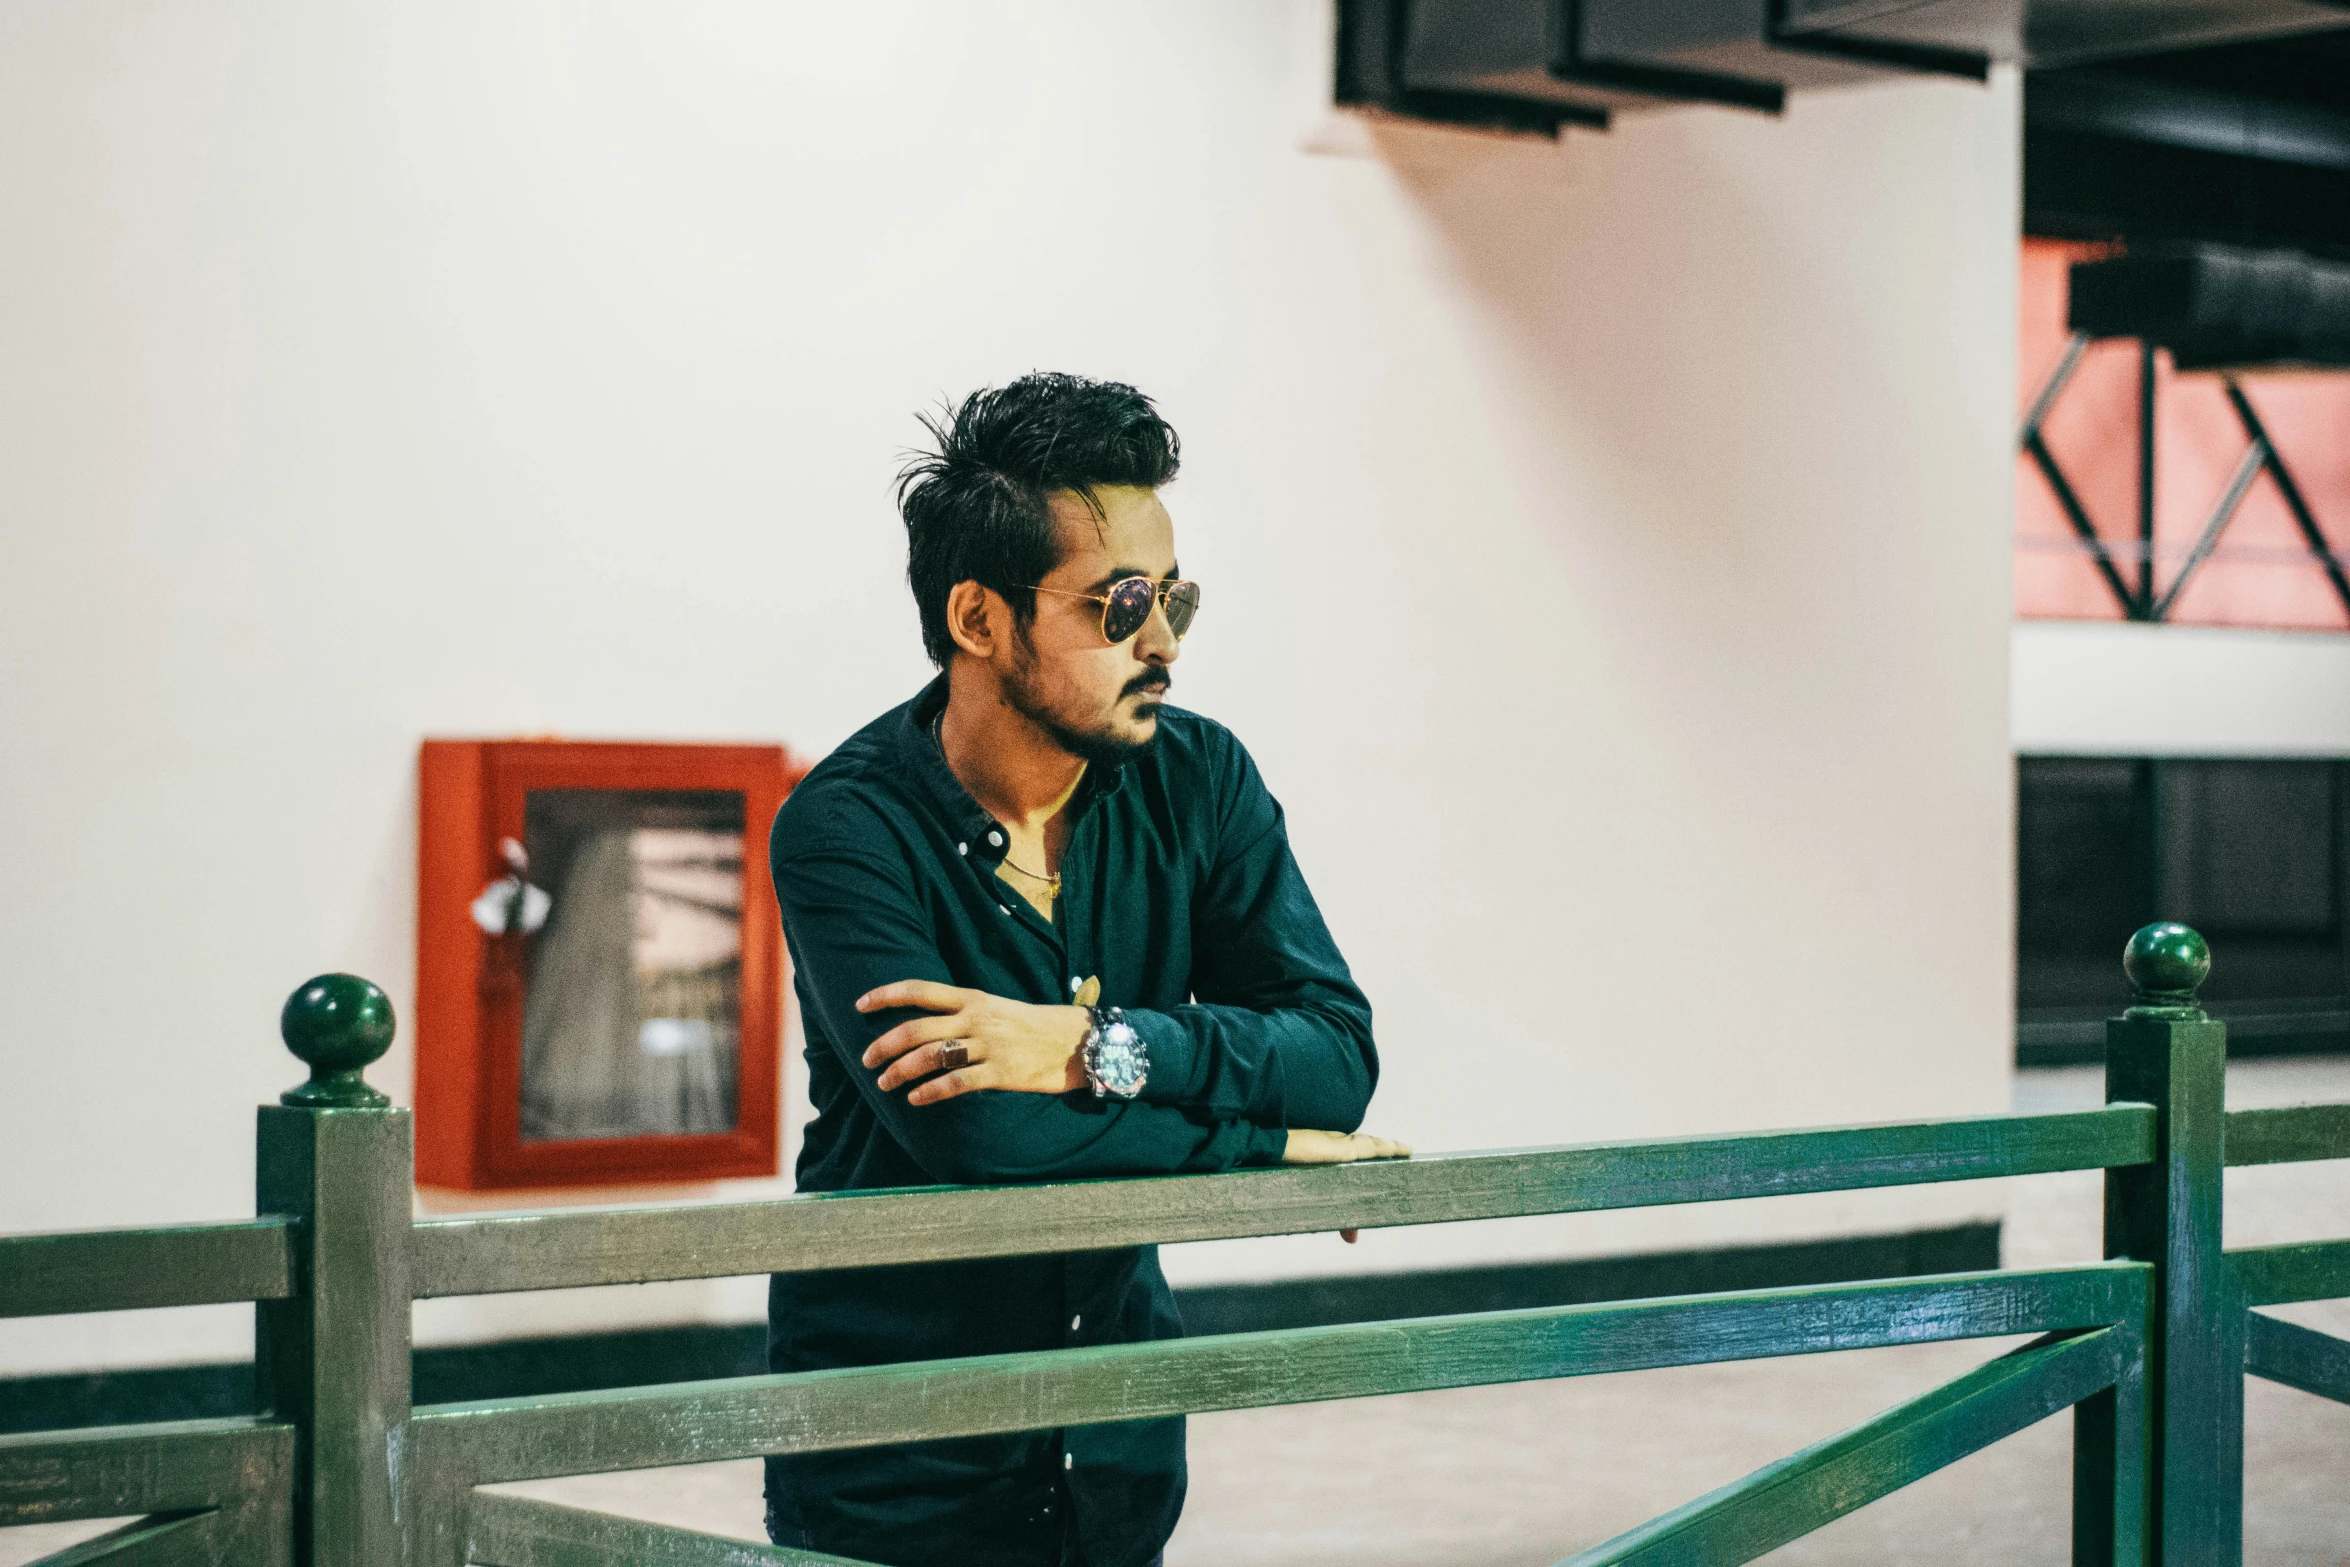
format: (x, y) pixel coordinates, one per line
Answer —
(1052, 883)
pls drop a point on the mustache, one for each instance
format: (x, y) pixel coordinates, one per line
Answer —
(1156, 680)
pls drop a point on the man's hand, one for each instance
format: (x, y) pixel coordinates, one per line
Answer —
(1340, 1148)
(1009, 1044)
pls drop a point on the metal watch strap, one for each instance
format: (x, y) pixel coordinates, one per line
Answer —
(1089, 1054)
(1098, 1017)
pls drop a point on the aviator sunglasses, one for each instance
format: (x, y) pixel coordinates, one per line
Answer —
(1126, 608)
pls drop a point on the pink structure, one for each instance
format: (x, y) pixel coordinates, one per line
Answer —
(2262, 573)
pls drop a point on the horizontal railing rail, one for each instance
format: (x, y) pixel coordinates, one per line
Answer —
(564, 1248)
(250, 1260)
(125, 1270)
(2285, 1275)
(2294, 1134)
(743, 1417)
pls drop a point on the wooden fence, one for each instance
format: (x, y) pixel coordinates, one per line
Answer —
(2150, 1345)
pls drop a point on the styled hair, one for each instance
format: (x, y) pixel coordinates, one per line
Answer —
(977, 507)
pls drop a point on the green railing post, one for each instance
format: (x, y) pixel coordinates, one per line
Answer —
(333, 1360)
(2166, 1052)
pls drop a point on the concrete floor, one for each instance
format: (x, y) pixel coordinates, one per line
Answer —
(1524, 1475)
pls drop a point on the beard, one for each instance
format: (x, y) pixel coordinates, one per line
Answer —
(1095, 743)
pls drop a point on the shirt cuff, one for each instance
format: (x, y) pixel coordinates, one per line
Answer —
(1174, 1058)
(1266, 1145)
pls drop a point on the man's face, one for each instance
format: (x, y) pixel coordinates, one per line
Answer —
(1097, 700)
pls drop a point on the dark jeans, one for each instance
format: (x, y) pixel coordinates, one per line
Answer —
(1071, 1554)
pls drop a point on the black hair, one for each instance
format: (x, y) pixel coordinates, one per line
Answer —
(977, 508)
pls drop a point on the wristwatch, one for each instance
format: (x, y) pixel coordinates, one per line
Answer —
(1115, 1058)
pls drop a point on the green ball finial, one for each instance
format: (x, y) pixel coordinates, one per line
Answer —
(2166, 964)
(339, 1023)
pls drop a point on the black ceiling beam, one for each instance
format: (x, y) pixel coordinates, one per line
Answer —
(1540, 64)
(2218, 306)
(2109, 188)
(2133, 107)
(1372, 36)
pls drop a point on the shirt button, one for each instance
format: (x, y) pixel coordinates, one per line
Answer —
(962, 848)
(1077, 1322)
(1068, 1460)
(995, 837)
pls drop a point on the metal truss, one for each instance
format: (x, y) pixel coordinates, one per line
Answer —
(2141, 601)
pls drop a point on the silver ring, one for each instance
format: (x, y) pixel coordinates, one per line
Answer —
(954, 1055)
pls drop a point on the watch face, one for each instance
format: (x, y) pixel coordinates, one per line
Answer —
(1118, 1059)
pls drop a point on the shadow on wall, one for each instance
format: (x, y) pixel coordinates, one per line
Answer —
(1751, 411)
(1712, 326)
(1716, 413)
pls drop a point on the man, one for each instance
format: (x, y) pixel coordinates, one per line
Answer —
(1042, 926)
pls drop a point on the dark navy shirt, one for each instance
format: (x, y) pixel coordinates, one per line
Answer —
(1179, 893)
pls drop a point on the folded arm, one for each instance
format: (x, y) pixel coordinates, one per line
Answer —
(855, 925)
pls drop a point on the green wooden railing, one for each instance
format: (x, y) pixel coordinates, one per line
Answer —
(2149, 1346)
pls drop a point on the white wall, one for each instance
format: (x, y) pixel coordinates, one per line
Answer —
(2111, 688)
(1607, 547)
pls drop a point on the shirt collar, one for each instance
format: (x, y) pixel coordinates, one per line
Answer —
(978, 835)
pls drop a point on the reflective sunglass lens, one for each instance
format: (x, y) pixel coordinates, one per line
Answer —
(1129, 607)
(1182, 606)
